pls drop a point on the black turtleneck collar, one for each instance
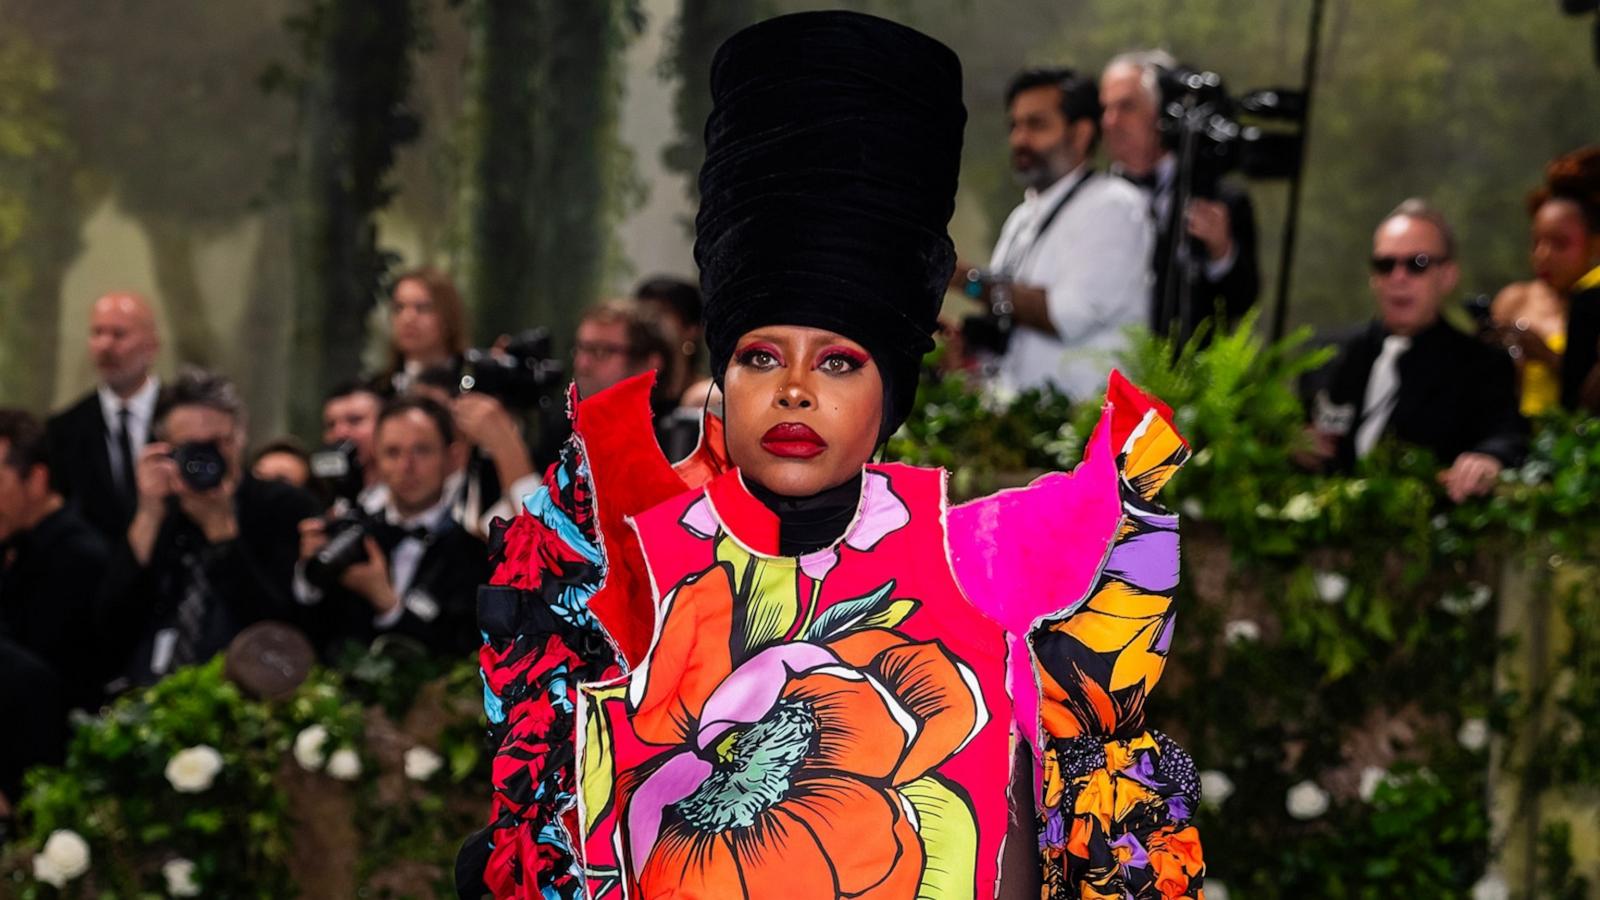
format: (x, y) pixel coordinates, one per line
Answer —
(810, 523)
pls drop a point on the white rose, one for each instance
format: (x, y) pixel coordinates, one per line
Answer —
(179, 874)
(1266, 511)
(65, 856)
(1371, 778)
(1240, 630)
(1216, 890)
(1473, 734)
(1193, 508)
(1331, 586)
(1470, 599)
(1215, 789)
(421, 763)
(310, 749)
(1307, 801)
(193, 769)
(344, 764)
(1301, 508)
(1491, 887)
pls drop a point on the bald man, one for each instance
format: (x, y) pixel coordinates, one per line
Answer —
(95, 442)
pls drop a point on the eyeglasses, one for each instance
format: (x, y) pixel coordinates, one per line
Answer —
(601, 350)
(1416, 265)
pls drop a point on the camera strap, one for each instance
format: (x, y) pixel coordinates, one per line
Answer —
(1011, 268)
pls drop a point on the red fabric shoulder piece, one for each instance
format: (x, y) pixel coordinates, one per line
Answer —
(743, 514)
(629, 474)
(1128, 406)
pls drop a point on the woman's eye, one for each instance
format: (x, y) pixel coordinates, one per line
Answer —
(839, 364)
(758, 358)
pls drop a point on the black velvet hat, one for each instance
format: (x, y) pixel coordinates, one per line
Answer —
(832, 153)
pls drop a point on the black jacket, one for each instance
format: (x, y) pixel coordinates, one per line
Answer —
(49, 576)
(80, 467)
(1236, 291)
(1457, 394)
(30, 703)
(249, 577)
(440, 603)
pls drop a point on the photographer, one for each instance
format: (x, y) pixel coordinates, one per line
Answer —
(349, 414)
(411, 569)
(1070, 271)
(427, 327)
(1215, 258)
(210, 549)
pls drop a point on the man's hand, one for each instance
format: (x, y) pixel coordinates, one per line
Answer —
(313, 537)
(1319, 447)
(1472, 475)
(1208, 220)
(958, 278)
(485, 422)
(370, 579)
(212, 510)
(155, 477)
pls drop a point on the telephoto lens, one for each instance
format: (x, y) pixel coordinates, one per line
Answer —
(200, 465)
(346, 546)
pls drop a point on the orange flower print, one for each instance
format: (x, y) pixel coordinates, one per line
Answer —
(786, 773)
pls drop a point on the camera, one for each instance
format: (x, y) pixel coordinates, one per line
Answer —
(346, 546)
(337, 472)
(523, 375)
(1261, 135)
(200, 465)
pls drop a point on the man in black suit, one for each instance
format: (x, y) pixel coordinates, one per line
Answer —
(1205, 255)
(210, 549)
(95, 443)
(1411, 376)
(51, 566)
(421, 569)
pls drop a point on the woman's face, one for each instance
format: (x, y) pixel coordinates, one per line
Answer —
(418, 327)
(803, 407)
(1563, 248)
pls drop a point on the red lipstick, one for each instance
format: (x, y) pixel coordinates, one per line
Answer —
(793, 440)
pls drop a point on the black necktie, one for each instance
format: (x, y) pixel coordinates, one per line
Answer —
(125, 478)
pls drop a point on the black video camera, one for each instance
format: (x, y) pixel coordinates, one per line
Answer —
(522, 376)
(346, 546)
(200, 464)
(1212, 134)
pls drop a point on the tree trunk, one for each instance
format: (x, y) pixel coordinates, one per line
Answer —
(544, 167)
(188, 323)
(351, 120)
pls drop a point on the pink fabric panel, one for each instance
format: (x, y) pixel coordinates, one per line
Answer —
(1030, 553)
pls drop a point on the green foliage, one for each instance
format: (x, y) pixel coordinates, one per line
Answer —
(1330, 624)
(115, 792)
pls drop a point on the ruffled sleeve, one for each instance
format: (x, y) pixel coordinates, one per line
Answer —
(567, 603)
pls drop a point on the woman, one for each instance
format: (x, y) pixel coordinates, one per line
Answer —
(789, 671)
(1532, 315)
(428, 327)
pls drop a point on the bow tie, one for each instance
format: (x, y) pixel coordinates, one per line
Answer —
(390, 536)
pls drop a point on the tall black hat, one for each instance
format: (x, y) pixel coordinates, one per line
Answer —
(832, 153)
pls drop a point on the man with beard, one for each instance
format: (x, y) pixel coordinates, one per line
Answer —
(95, 443)
(1071, 270)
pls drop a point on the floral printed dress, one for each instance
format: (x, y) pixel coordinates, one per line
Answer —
(834, 725)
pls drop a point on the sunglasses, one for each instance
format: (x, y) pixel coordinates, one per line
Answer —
(1416, 265)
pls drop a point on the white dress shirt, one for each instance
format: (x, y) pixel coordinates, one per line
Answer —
(1093, 263)
(141, 411)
